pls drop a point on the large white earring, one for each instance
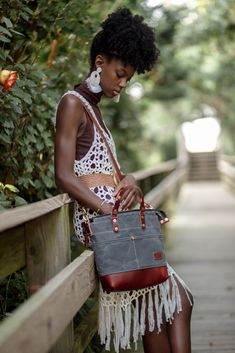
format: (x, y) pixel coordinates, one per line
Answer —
(93, 81)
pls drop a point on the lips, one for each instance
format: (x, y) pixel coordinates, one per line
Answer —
(116, 92)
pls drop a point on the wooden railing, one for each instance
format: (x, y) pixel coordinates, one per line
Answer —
(226, 166)
(38, 236)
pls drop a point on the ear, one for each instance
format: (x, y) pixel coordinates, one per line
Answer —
(99, 61)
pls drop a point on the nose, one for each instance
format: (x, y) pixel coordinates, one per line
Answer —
(122, 83)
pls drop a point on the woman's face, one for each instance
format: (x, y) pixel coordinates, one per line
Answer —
(114, 76)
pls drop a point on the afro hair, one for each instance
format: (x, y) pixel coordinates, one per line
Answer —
(128, 38)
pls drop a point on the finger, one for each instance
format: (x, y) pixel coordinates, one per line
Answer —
(128, 204)
(127, 200)
(134, 200)
(117, 189)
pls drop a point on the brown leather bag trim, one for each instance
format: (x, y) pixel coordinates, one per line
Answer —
(137, 279)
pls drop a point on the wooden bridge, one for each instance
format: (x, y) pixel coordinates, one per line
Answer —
(200, 246)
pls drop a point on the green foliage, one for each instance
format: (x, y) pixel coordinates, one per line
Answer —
(13, 292)
(26, 33)
(9, 197)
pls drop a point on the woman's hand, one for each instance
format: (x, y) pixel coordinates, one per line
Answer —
(129, 196)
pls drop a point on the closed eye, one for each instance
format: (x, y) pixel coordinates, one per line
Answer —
(119, 76)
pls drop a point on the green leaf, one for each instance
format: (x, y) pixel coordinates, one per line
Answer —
(3, 197)
(7, 22)
(32, 138)
(4, 39)
(8, 124)
(48, 181)
(23, 95)
(39, 146)
(24, 150)
(24, 16)
(5, 138)
(28, 10)
(12, 188)
(40, 127)
(3, 56)
(1, 187)
(32, 130)
(20, 34)
(5, 31)
(5, 204)
(19, 201)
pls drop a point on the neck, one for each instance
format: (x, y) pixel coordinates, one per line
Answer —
(83, 89)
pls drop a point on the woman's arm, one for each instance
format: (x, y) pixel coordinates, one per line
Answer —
(70, 122)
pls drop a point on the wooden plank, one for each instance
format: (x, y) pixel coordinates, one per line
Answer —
(160, 193)
(200, 247)
(167, 166)
(19, 215)
(47, 240)
(12, 251)
(86, 329)
(36, 325)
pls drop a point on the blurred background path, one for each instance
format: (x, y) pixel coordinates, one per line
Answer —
(201, 248)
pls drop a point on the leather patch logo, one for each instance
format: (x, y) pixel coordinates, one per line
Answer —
(158, 255)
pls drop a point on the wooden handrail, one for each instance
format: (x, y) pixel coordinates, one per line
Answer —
(33, 327)
(41, 241)
(227, 168)
(227, 171)
(19, 215)
(157, 195)
(167, 166)
(228, 159)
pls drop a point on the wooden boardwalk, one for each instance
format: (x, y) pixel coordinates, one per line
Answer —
(201, 248)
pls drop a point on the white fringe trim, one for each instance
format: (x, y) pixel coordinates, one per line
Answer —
(120, 313)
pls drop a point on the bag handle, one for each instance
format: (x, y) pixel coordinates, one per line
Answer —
(143, 206)
(117, 204)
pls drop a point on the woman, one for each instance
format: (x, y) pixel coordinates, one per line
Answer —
(161, 314)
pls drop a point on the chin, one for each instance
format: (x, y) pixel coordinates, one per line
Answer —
(108, 94)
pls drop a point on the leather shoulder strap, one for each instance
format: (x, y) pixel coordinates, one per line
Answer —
(113, 160)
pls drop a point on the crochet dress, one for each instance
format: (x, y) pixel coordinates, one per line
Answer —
(120, 315)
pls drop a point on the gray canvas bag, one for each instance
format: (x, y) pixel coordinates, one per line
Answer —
(128, 247)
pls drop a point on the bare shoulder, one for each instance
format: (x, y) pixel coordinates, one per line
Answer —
(70, 110)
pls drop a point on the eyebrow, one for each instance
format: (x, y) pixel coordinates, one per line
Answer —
(123, 69)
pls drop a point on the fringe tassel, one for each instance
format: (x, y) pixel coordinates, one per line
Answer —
(142, 315)
(124, 314)
(136, 325)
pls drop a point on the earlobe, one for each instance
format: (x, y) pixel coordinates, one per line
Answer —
(99, 61)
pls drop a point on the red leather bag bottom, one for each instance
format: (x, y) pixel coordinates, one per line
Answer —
(132, 280)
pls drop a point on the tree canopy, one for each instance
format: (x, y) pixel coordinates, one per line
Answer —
(47, 43)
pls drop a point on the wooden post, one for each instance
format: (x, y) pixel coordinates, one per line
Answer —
(47, 240)
(12, 251)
